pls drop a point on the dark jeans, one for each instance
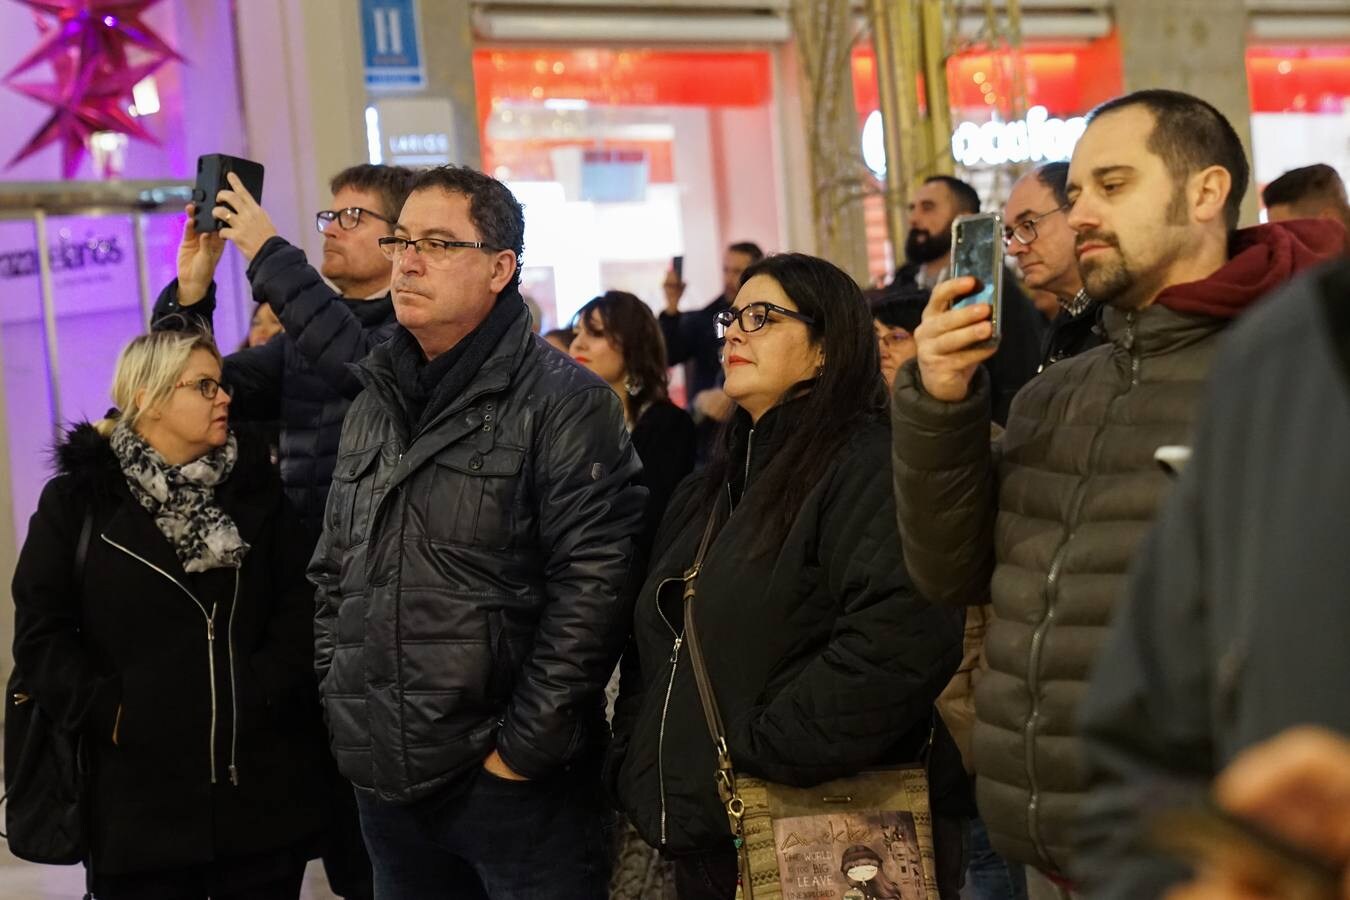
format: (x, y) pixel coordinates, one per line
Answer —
(988, 875)
(493, 840)
(707, 876)
(270, 876)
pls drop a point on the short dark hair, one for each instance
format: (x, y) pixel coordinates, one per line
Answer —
(1055, 176)
(966, 197)
(493, 209)
(632, 326)
(900, 307)
(1190, 134)
(1316, 182)
(392, 183)
(749, 248)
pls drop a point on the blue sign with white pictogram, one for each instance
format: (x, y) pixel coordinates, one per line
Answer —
(392, 53)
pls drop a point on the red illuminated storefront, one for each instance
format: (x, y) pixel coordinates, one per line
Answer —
(593, 132)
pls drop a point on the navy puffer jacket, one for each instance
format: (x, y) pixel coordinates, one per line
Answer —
(300, 378)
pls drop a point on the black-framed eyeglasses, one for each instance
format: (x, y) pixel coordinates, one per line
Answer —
(754, 316)
(348, 218)
(434, 250)
(1024, 232)
(207, 387)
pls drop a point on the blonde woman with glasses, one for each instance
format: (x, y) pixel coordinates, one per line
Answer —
(180, 650)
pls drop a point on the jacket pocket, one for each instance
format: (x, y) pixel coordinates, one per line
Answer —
(473, 496)
(351, 495)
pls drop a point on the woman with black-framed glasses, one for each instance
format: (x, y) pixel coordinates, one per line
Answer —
(824, 659)
(163, 619)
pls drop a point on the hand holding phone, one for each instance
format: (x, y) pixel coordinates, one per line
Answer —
(977, 251)
(953, 340)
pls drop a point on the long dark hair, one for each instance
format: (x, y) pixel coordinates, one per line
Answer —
(630, 324)
(848, 391)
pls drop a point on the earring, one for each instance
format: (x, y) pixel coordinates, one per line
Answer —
(631, 386)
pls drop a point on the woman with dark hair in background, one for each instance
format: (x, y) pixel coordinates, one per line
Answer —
(181, 650)
(618, 338)
(824, 659)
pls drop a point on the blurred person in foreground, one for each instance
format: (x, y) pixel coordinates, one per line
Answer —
(1296, 786)
(1036, 234)
(181, 655)
(1235, 625)
(618, 339)
(1047, 525)
(1311, 192)
(474, 572)
(824, 658)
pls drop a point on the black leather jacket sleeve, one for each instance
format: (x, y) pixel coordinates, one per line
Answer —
(888, 657)
(589, 512)
(327, 334)
(943, 466)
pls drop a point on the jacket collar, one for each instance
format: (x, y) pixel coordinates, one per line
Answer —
(753, 445)
(1156, 330)
(376, 372)
(247, 495)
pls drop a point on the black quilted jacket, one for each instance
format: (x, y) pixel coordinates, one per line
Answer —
(824, 658)
(473, 577)
(301, 377)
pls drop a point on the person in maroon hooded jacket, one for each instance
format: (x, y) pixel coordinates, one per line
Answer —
(1046, 523)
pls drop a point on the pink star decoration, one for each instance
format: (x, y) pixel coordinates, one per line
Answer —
(88, 47)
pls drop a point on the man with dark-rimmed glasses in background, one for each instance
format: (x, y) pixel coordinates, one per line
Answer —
(299, 379)
(1037, 236)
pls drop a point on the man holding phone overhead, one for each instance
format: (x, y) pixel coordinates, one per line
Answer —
(1046, 527)
(300, 378)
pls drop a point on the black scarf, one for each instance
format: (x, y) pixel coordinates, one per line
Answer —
(427, 388)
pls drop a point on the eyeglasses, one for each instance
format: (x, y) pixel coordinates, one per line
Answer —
(348, 218)
(754, 316)
(1025, 231)
(892, 339)
(434, 250)
(207, 387)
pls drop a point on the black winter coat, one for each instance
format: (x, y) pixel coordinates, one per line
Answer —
(845, 679)
(473, 577)
(301, 377)
(667, 445)
(220, 738)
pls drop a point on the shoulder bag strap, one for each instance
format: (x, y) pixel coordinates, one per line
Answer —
(82, 546)
(726, 780)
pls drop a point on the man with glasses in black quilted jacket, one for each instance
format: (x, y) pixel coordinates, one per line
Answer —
(1037, 236)
(332, 317)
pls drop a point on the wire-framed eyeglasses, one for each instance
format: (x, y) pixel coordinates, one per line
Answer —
(754, 316)
(1024, 232)
(348, 218)
(434, 250)
(207, 387)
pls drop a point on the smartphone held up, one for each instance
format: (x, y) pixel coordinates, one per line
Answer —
(977, 251)
(211, 171)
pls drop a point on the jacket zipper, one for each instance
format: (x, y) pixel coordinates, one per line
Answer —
(210, 637)
(1051, 596)
(234, 687)
(665, 707)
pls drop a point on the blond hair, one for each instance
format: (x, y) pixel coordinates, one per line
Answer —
(151, 363)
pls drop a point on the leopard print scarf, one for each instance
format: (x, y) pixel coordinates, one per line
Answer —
(182, 500)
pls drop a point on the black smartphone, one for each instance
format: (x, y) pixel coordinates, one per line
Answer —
(677, 265)
(1207, 836)
(977, 250)
(211, 171)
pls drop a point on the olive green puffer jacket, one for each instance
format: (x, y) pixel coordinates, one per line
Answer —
(1045, 524)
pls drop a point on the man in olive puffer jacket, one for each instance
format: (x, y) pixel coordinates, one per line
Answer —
(1046, 524)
